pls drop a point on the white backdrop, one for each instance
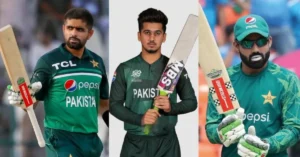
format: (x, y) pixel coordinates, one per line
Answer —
(123, 45)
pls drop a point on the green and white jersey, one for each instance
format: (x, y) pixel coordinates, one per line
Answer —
(71, 89)
(135, 83)
(271, 100)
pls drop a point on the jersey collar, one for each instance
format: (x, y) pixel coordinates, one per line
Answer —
(86, 53)
(156, 63)
(257, 74)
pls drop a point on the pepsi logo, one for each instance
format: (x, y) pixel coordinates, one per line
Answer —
(250, 20)
(70, 85)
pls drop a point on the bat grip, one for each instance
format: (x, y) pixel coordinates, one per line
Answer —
(148, 126)
(36, 127)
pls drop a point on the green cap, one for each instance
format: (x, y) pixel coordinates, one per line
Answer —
(250, 24)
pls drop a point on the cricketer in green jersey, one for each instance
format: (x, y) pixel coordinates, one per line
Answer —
(73, 84)
(134, 91)
(268, 93)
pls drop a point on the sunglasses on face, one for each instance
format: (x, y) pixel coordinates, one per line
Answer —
(248, 44)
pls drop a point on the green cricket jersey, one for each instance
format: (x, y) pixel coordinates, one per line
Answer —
(271, 100)
(71, 89)
(135, 83)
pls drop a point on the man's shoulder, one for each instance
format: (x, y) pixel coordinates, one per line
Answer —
(281, 72)
(234, 70)
(132, 61)
(95, 55)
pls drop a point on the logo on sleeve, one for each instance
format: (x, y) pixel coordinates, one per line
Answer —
(70, 85)
(114, 77)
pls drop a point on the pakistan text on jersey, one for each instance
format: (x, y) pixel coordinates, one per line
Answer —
(145, 93)
(80, 101)
(257, 117)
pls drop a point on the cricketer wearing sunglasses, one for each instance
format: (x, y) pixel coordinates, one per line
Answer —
(268, 121)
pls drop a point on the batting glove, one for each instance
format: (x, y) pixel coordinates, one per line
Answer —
(252, 146)
(15, 98)
(231, 129)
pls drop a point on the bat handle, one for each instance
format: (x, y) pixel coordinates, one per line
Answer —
(148, 127)
(36, 127)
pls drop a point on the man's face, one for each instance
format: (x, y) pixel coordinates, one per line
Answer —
(76, 33)
(254, 50)
(151, 36)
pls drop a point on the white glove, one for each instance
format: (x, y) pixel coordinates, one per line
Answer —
(252, 146)
(231, 129)
(15, 98)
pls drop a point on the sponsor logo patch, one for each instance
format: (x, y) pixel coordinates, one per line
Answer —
(70, 85)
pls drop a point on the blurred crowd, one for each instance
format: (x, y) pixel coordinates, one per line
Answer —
(283, 17)
(37, 25)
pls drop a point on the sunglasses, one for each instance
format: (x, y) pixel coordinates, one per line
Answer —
(248, 44)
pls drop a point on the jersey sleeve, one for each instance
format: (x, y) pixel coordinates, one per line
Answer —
(186, 93)
(117, 99)
(42, 72)
(289, 134)
(213, 118)
(104, 93)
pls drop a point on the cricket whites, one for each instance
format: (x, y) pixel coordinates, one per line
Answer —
(216, 75)
(18, 76)
(175, 65)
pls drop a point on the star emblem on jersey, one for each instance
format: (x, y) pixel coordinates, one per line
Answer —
(269, 98)
(95, 64)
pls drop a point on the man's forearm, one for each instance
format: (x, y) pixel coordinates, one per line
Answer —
(184, 106)
(212, 134)
(283, 139)
(124, 114)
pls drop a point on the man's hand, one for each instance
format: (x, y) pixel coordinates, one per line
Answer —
(231, 129)
(15, 98)
(150, 117)
(252, 146)
(163, 103)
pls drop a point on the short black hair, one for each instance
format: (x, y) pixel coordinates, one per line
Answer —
(80, 13)
(152, 15)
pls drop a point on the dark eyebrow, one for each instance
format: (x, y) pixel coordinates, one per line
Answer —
(75, 27)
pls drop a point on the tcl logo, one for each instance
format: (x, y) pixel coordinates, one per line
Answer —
(63, 64)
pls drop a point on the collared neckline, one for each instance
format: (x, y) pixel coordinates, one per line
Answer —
(157, 62)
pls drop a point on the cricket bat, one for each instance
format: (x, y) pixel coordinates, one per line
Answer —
(216, 75)
(178, 59)
(15, 68)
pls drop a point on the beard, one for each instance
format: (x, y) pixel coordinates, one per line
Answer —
(256, 60)
(151, 51)
(75, 45)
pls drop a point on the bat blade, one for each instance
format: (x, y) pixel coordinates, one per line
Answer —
(178, 59)
(16, 71)
(212, 64)
(180, 54)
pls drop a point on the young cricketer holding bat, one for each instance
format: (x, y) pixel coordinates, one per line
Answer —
(135, 83)
(72, 82)
(268, 93)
